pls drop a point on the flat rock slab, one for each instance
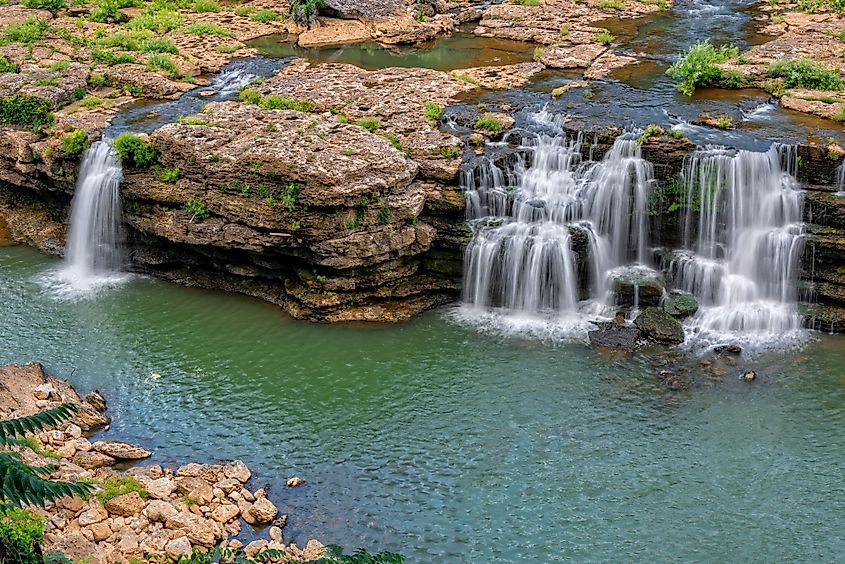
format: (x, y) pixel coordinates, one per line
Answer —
(122, 451)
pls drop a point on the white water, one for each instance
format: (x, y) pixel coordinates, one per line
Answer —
(840, 180)
(744, 239)
(520, 269)
(94, 254)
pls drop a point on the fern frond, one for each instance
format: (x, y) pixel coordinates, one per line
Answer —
(22, 485)
(12, 428)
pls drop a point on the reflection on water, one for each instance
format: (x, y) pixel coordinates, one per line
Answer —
(451, 446)
(459, 50)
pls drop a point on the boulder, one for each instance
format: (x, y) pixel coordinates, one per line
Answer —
(260, 512)
(119, 450)
(680, 304)
(178, 547)
(237, 470)
(161, 488)
(613, 335)
(125, 505)
(366, 10)
(659, 326)
(225, 513)
(159, 511)
(92, 460)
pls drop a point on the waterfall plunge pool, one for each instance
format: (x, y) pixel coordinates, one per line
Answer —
(453, 446)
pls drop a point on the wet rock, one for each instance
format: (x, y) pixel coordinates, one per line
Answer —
(295, 481)
(659, 326)
(638, 289)
(262, 511)
(680, 304)
(732, 348)
(501, 77)
(615, 336)
(749, 376)
(122, 451)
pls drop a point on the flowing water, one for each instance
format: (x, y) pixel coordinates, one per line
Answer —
(451, 446)
(94, 254)
(745, 238)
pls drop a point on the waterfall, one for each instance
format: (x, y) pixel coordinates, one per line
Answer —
(743, 238)
(840, 180)
(526, 214)
(94, 254)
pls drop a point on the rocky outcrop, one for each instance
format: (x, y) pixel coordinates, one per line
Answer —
(659, 326)
(146, 511)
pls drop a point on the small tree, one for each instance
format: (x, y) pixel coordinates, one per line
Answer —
(22, 484)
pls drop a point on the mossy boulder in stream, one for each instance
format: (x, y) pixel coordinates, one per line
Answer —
(680, 304)
(659, 326)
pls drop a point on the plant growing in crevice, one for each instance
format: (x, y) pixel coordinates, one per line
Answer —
(697, 66)
(136, 151)
(75, 143)
(305, 12)
(198, 208)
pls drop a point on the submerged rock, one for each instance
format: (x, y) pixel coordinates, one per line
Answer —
(680, 304)
(659, 326)
(614, 335)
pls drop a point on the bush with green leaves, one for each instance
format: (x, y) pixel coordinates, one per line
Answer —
(160, 21)
(75, 143)
(489, 123)
(29, 31)
(165, 63)
(104, 11)
(205, 6)
(264, 16)
(371, 124)
(283, 103)
(27, 111)
(306, 11)
(197, 207)
(804, 73)
(432, 111)
(697, 66)
(21, 534)
(111, 59)
(204, 28)
(135, 151)
(8, 66)
(52, 6)
(333, 555)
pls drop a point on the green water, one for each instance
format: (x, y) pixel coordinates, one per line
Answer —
(453, 446)
(457, 51)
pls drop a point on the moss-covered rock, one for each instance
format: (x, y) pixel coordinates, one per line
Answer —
(659, 326)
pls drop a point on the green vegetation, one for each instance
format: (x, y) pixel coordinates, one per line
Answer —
(450, 152)
(169, 175)
(432, 111)
(840, 114)
(676, 134)
(397, 144)
(250, 96)
(135, 151)
(165, 63)
(7, 66)
(52, 6)
(105, 11)
(144, 41)
(611, 5)
(724, 122)
(605, 37)
(333, 555)
(208, 29)
(205, 6)
(197, 207)
(160, 21)
(489, 123)
(33, 444)
(263, 16)
(75, 143)
(30, 31)
(227, 49)
(96, 80)
(21, 534)
(804, 73)
(114, 487)
(384, 215)
(283, 103)
(290, 197)
(27, 111)
(243, 11)
(111, 59)
(697, 66)
(465, 78)
(371, 124)
(652, 130)
(47, 82)
(306, 11)
(532, 3)
(91, 102)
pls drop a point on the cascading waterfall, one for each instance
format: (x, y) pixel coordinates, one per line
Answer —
(94, 252)
(525, 217)
(840, 180)
(743, 239)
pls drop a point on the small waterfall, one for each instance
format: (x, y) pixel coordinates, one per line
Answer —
(526, 214)
(94, 253)
(743, 238)
(840, 180)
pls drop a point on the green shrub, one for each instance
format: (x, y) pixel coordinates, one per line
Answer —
(114, 487)
(432, 111)
(52, 6)
(75, 143)
(250, 96)
(21, 534)
(306, 11)
(605, 37)
(96, 80)
(197, 207)
(28, 111)
(30, 31)
(290, 197)
(105, 11)
(59, 66)
(92, 102)
(135, 151)
(158, 45)
(208, 29)
(8, 66)
(47, 82)
(371, 124)
(169, 175)
(611, 5)
(242, 11)
(165, 63)
(283, 103)
(804, 73)
(161, 21)
(205, 6)
(490, 123)
(697, 66)
(653, 130)
(384, 215)
(264, 16)
(111, 59)
(532, 3)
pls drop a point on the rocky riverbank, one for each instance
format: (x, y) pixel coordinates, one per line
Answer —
(145, 510)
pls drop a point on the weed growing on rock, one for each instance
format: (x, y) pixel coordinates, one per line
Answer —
(384, 215)
(306, 11)
(489, 123)
(611, 5)
(169, 175)
(201, 28)
(52, 6)
(283, 103)
(605, 37)
(75, 143)
(7, 66)
(165, 63)
(804, 73)
(205, 6)
(653, 130)
(264, 16)
(135, 151)
(198, 208)
(114, 487)
(432, 111)
(160, 21)
(27, 111)
(30, 31)
(532, 3)
(697, 66)
(371, 124)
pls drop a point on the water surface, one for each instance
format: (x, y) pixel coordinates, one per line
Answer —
(454, 446)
